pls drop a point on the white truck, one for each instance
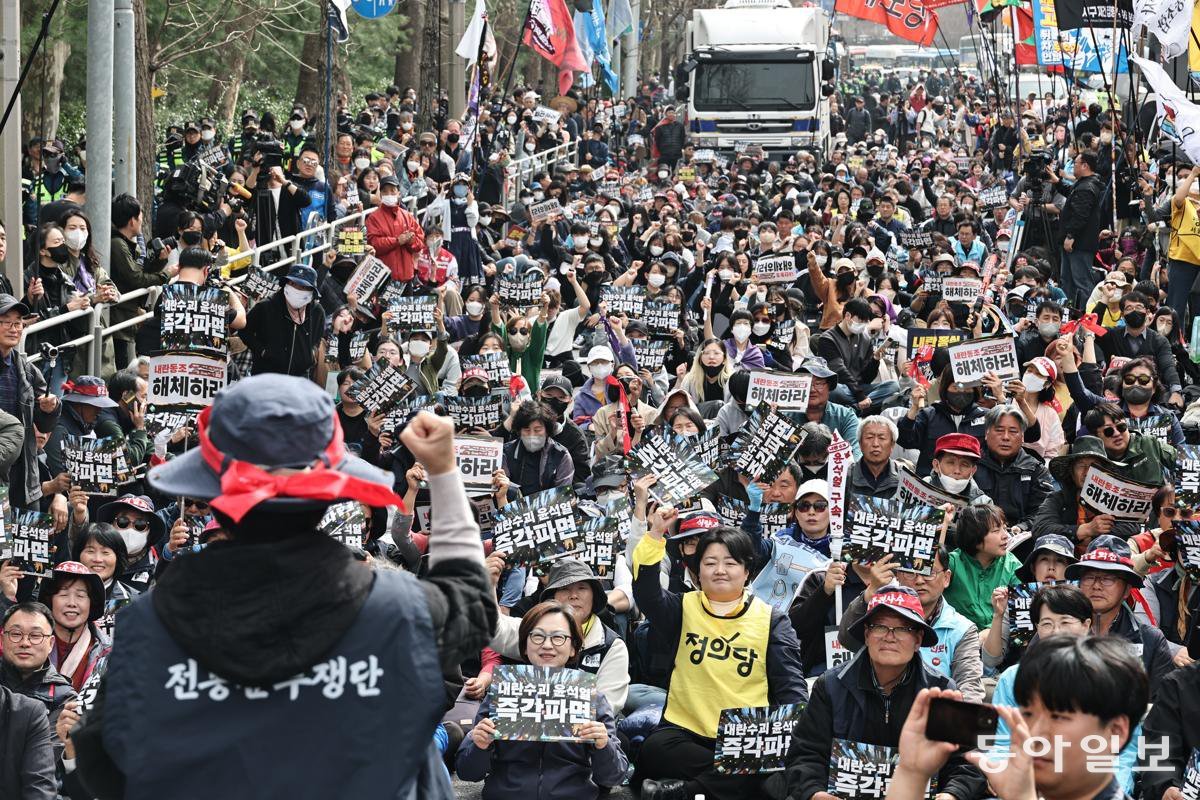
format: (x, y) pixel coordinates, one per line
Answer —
(756, 72)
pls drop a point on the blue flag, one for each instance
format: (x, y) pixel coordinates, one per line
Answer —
(596, 37)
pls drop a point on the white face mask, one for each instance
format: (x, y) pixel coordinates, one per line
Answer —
(511, 119)
(656, 280)
(530, 147)
(297, 125)
(485, 221)
(954, 485)
(662, 176)
(539, 196)
(766, 239)
(412, 166)
(135, 540)
(1033, 382)
(656, 250)
(418, 348)
(533, 444)
(725, 275)
(390, 199)
(762, 328)
(859, 262)
(595, 241)
(362, 163)
(76, 238)
(600, 371)
(207, 135)
(741, 332)
(821, 260)
(474, 308)
(297, 298)
(857, 327)
(606, 498)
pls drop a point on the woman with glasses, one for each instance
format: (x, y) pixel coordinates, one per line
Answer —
(571, 770)
(1146, 457)
(142, 531)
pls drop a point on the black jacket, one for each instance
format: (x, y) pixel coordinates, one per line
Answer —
(858, 124)
(670, 138)
(279, 345)
(26, 752)
(851, 358)
(813, 610)
(1153, 344)
(1059, 513)
(1175, 718)
(1080, 216)
(934, 421)
(1018, 487)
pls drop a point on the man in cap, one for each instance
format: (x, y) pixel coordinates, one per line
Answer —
(283, 332)
(555, 394)
(83, 400)
(23, 397)
(823, 410)
(395, 233)
(955, 460)
(234, 638)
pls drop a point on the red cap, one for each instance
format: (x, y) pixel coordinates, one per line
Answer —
(473, 373)
(963, 444)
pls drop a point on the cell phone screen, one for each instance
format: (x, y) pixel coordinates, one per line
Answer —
(959, 722)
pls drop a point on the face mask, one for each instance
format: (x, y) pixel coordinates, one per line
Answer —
(741, 332)
(559, 407)
(485, 221)
(766, 239)
(297, 125)
(362, 163)
(460, 190)
(954, 485)
(1002, 245)
(761, 328)
(875, 270)
(539, 196)
(1164, 326)
(726, 275)
(207, 135)
(595, 241)
(656, 250)
(579, 245)
(406, 126)
(76, 238)
(526, 199)
(857, 327)
(418, 348)
(1135, 319)
(600, 371)
(1048, 330)
(656, 280)
(53, 163)
(959, 400)
(434, 243)
(533, 444)
(821, 260)
(607, 498)
(474, 308)
(662, 175)
(135, 540)
(712, 371)
(297, 298)
(859, 262)
(1033, 383)
(530, 147)
(60, 254)
(412, 166)
(1137, 394)
(519, 341)
(511, 119)
(390, 199)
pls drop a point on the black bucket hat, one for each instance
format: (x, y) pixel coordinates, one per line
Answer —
(1084, 447)
(1054, 543)
(567, 571)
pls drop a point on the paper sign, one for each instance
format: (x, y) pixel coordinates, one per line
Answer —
(346, 523)
(27, 540)
(357, 347)
(478, 458)
(780, 389)
(193, 318)
(993, 197)
(629, 300)
(915, 239)
(681, 474)
(259, 285)
(841, 457)
(660, 316)
(547, 210)
(546, 114)
(494, 364)
(791, 562)
(755, 740)
(1123, 498)
(537, 528)
(876, 527)
(521, 292)
(1187, 475)
(367, 278)
(914, 491)
(650, 353)
(602, 542)
(381, 389)
(191, 380)
(935, 337)
(766, 444)
(541, 704)
(836, 653)
(1187, 547)
(776, 269)
(474, 412)
(1156, 426)
(351, 241)
(97, 466)
(974, 358)
(413, 313)
(860, 771)
(773, 517)
(961, 290)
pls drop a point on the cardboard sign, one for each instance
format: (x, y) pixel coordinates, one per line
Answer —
(357, 347)
(602, 542)
(776, 269)
(367, 278)
(961, 290)
(87, 693)
(485, 412)
(766, 444)
(784, 390)
(546, 211)
(413, 313)
(346, 523)
(681, 474)
(993, 197)
(650, 353)
(478, 458)
(193, 318)
(840, 459)
(836, 653)
(1121, 497)
(915, 239)
(860, 771)
(381, 389)
(405, 410)
(27, 536)
(1156, 426)
(934, 337)
(541, 704)
(521, 292)
(914, 491)
(351, 241)
(972, 359)
(876, 527)
(97, 466)
(704, 156)
(259, 285)
(661, 317)
(755, 740)
(537, 528)
(214, 156)
(494, 364)
(546, 114)
(791, 563)
(629, 300)
(608, 189)
(185, 380)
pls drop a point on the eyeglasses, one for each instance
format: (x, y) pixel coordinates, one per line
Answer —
(1141, 380)
(558, 638)
(887, 631)
(129, 522)
(33, 637)
(199, 505)
(312, 162)
(1107, 580)
(812, 505)
(1113, 430)
(1048, 626)
(13, 324)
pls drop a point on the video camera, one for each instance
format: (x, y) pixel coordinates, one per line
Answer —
(1034, 170)
(269, 147)
(196, 186)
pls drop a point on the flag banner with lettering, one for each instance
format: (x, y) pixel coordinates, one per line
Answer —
(766, 443)
(961, 290)
(26, 541)
(478, 458)
(537, 528)
(791, 562)
(839, 461)
(367, 278)
(547, 210)
(475, 412)
(681, 473)
(773, 517)
(836, 653)
(661, 317)
(259, 285)
(358, 346)
(346, 523)
(1094, 14)
(1156, 426)
(412, 313)
(650, 353)
(381, 389)
(629, 300)
(351, 241)
(494, 364)
(541, 704)
(1187, 547)
(87, 693)
(521, 291)
(783, 390)
(169, 418)
(993, 196)
(97, 466)
(602, 542)
(185, 380)
(1191, 777)
(974, 358)
(754, 740)
(860, 771)
(911, 240)
(914, 491)
(876, 527)
(1121, 497)
(193, 318)
(1178, 116)
(776, 269)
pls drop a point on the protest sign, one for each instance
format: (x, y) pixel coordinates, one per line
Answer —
(1022, 627)
(601, 544)
(412, 313)
(1157, 426)
(661, 317)
(87, 692)
(910, 240)
(935, 337)
(259, 285)
(404, 411)
(876, 527)
(773, 517)
(478, 458)
(367, 278)
(766, 444)
(1187, 547)
(351, 241)
(685, 174)
(537, 528)
(357, 347)
(776, 269)
(521, 291)
(541, 704)
(840, 458)
(346, 523)
(546, 114)
(1121, 497)
(629, 300)
(608, 189)
(913, 491)
(754, 740)
(214, 157)
(169, 419)
(970, 360)
(836, 653)
(381, 389)
(790, 564)
(862, 771)
(193, 318)
(650, 353)
(97, 466)
(993, 197)
(681, 474)
(784, 390)
(704, 155)
(27, 537)
(185, 380)
(1191, 777)
(545, 211)
(961, 290)
(644, 195)
(707, 445)
(494, 364)
(474, 412)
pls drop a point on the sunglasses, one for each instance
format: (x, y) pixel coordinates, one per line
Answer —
(812, 505)
(197, 504)
(1141, 380)
(519, 331)
(1171, 512)
(1113, 430)
(129, 522)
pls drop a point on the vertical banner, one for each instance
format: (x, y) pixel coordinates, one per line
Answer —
(841, 456)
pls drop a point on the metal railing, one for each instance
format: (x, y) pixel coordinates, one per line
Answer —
(522, 170)
(324, 236)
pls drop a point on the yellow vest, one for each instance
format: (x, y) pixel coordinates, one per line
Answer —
(721, 662)
(1185, 233)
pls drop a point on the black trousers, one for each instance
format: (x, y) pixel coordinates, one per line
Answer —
(672, 752)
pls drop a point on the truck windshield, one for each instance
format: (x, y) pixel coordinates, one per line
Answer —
(755, 85)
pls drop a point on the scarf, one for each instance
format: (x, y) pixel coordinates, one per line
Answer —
(75, 656)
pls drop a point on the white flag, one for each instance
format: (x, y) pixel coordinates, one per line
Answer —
(620, 18)
(1169, 20)
(468, 45)
(1178, 117)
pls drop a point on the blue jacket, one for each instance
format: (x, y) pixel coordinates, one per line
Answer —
(843, 420)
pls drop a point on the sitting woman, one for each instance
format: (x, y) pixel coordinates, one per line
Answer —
(709, 673)
(549, 637)
(981, 564)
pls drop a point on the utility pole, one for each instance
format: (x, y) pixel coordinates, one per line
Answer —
(10, 139)
(458, 69)
(631, 52)
(100, 119)
(124, 85)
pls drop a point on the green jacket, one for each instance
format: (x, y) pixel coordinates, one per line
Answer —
(127, 273)
(1147, 459)
(529, 363)
(971, 586)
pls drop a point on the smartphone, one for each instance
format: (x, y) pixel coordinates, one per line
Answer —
(1166, 540)
(960, 722)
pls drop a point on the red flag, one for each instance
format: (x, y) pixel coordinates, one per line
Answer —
(908, 19)
(550, 31)
(1026, 50)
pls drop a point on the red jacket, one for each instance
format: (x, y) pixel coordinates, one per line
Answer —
(384, 227)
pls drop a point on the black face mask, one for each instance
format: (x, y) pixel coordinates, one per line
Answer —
(475, 390)
(845, 280)
(958, 400)
(1135, 319)
(60, 254)
(1137, 395)
(875, 270)
(712, 371)
(559, 407)
(192, 238)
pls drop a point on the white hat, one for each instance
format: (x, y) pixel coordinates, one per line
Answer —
(601, 353)
(817, 487)
(876, 255)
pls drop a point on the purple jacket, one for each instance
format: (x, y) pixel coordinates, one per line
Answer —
(751, 359)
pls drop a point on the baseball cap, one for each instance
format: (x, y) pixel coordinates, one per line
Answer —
(962, 444)
(1109, 554)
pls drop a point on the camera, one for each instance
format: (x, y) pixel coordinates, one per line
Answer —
(1034, 169)
(49, 353)
(158, 243)
(270, 148)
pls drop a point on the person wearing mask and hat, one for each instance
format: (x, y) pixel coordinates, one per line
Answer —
(458, 212)
(524, 337)
(555, 395)
(607, 431)
(846, 348)
(593, 395)
(284, 332)
(142, 531)
(954, 465)
(295, 138)
(83, 399)
(534, 461)
(1064, 512)
(395, 233)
